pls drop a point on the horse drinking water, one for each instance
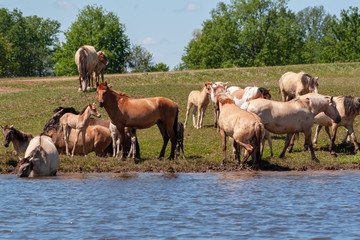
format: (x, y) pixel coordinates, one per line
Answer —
(139, 114)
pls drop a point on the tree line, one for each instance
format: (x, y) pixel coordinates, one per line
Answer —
(266, 33)
(240, 34)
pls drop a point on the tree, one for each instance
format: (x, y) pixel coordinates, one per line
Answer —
(99, 28)
(30, 40)
(140, 60)
(160, 67)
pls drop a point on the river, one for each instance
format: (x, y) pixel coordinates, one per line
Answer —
(240, 205)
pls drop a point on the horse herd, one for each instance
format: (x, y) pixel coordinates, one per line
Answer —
(246, 116)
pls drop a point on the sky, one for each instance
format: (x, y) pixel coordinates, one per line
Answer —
(162, 27)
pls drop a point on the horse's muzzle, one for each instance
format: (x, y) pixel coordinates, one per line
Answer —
(338, 119)
(101, 104)
(6, 144)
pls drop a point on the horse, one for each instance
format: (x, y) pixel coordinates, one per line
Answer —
(86, 59)
(19, 139)
(349, 109)
(212, 96)
(140, 113)
(249, 93)
(295, 84)
(130, 133)
(41, 158)
(100, 66)
(180, 140)
(79, 123)
(244, 127)
(200, 101)
(294, 116)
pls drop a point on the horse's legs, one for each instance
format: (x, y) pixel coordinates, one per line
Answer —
(199, 112)
(215, 116)
(352, 134)
(202, 116)
(308, 142)
(165, 136)
(114, 142)
(333, 137)
(223, 141)
(317, 131)
(194, 117)
(249, 149)
(291, 144)
(287, 142)
(77, 133)
(83, 133)
(66, 132)
(268, 136)
(189, 105)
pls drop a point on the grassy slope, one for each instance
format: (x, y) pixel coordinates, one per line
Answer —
(30, 109)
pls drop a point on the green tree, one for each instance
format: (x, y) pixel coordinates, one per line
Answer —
(99, 28)
(30, 40)
(160, 67)
(139, 60)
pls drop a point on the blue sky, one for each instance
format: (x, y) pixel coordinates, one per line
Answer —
(163, 27)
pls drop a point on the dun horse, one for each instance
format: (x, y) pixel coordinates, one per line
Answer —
(200, 101)
(139, 114)
(100, 67)
(212, 96)
(79, 123)
(295, 84)
(294, 116)
(244, 127)
(19, 139)
(349, 109)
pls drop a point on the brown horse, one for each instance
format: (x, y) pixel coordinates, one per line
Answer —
(100, 67)
(349, 109)
(200, 101)
(19, 139)
(244, 127)
(139, 114)
(296, 84)
(79, 123)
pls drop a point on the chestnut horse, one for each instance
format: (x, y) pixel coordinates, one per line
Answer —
(139, 114)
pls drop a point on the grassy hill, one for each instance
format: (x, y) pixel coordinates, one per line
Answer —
(29, 104)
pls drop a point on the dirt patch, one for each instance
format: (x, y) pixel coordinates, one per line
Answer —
(10, 90)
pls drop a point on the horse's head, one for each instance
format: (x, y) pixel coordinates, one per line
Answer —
(101, 91)
(207, 87)
(265, 93)
(331, 110)
(320, 103)
(93, 110)
(25, 167)
(8, 132)
(102, 58)
(313, 84)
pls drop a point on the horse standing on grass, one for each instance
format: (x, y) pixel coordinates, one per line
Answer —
(296, 84)
(244, 127)
(212, 96)
(294, 116)
(200, 101)
(349, 109)
(79, 123)
(99, 68)
(19, 139)
(139, 114)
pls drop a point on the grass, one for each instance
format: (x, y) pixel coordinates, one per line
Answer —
(29, 110)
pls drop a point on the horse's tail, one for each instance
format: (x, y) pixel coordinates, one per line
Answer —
(83, 63)
(259, 135)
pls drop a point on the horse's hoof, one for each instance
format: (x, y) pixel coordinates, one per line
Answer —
(333, 153)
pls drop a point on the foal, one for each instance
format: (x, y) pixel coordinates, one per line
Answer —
(78, 122)
(19, 139)
(200, 101)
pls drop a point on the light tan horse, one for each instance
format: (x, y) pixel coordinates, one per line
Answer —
(79, 123)
(349, 109)
(294, 116)
(200, 101)
(212, 96)
(295, 84)
(86, 60)
(244, 127)
(139, 114)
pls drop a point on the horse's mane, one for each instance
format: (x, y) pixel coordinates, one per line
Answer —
(22, 136)
(307, 80)
(83, 110)
(250, 92)
(351, 105)
(225, 99)
(104, 86)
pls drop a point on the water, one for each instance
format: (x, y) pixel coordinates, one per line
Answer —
(310, 205)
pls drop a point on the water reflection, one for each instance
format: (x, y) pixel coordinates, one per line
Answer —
(239, 205)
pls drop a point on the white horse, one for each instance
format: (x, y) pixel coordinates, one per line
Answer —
(41, 158)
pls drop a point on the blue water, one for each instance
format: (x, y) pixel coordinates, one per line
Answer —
(295, 205)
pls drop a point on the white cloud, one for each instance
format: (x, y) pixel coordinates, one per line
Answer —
(64, 4)
(148, 41)
(192, 7)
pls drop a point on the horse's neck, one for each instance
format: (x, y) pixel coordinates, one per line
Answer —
(203, 95)
(21, 140)
(111, 105)
(86, 115)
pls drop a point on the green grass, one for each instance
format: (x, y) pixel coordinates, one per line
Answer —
(29, 110)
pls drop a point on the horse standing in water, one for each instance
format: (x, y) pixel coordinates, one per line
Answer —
(139, 114)
(79, 123)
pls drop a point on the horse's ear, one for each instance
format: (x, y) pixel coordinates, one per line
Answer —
(12, 126)
(105, 83)
(268, 89)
